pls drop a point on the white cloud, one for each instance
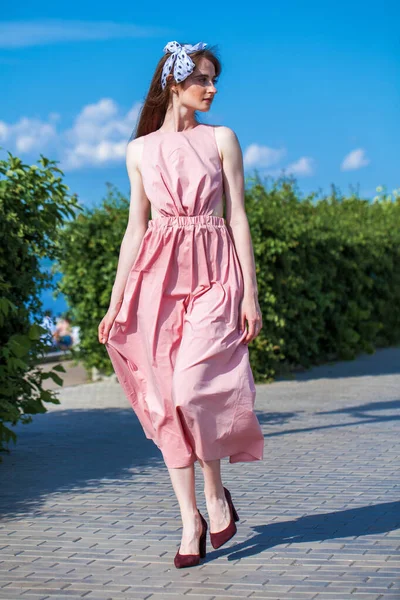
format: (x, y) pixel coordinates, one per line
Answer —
(27, 134)
(262, 156)
(354, 160)
(303, 166)
(98, 136)
(266, 157)
(94, 154)
(21, 34)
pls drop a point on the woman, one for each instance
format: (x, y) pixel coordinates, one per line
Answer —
(184, 303)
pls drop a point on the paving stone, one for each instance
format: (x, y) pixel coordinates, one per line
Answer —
(89, 511)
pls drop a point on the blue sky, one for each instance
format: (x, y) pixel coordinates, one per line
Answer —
(312, 87)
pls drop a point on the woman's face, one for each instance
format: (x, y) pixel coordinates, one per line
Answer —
(198, 90)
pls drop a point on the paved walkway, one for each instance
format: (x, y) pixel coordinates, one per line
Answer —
(89, 512)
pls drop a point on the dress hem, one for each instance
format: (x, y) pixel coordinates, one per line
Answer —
(252, 458)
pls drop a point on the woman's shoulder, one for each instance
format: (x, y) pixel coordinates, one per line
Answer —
(137, 142)
(225, 138)
(221, 129)
(224, 134)
(134, 146)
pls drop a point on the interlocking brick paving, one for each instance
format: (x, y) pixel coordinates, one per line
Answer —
(88, 510)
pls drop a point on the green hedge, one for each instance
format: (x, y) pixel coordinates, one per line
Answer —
(328, 273)
(88, 263)
(33, 205)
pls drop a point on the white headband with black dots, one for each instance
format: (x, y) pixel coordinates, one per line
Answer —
(180, 60)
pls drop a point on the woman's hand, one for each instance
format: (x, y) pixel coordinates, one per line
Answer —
(107, 322)
(250, 310)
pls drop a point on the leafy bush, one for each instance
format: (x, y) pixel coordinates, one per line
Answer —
(33, 204)
(328, 273)
(88, 263)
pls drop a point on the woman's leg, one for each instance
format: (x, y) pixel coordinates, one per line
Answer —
(217, 505)
(183, 482)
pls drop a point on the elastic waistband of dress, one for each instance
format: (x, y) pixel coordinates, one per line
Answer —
(186, 220)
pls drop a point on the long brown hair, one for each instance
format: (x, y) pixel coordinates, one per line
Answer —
(156, 102)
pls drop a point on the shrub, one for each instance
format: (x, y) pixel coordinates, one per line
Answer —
(88, 263)
(328, 272)
(33, 204)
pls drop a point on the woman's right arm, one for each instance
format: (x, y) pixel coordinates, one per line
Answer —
(139, 212)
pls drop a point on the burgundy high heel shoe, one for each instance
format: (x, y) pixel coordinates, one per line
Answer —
(191, 560)
(221, 537)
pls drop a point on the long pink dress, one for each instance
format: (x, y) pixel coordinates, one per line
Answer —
(175, 344)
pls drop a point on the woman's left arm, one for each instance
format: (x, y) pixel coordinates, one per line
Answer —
(238, 226)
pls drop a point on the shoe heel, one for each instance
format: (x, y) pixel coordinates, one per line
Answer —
(229, 499)
(235, 515)
(202, 546)
(203, 537)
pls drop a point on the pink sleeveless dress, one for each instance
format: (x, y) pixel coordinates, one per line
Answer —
(175, 344)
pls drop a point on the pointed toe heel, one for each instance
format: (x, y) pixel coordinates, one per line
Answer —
(221, 537)
(202, 544)
(191, 560)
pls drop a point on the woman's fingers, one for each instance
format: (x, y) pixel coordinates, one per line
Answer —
(251, 331)
(103, 331)
(254, 328)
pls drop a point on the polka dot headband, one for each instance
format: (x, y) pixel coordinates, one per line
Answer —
(179, 60)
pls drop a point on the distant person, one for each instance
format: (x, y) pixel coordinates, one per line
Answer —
(48, 324)
(63, 333)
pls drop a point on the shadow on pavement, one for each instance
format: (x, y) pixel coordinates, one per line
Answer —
(275, 418)
(360, 412)
(361, 415)
(72, 450)
(354, 522)
(385, 361)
